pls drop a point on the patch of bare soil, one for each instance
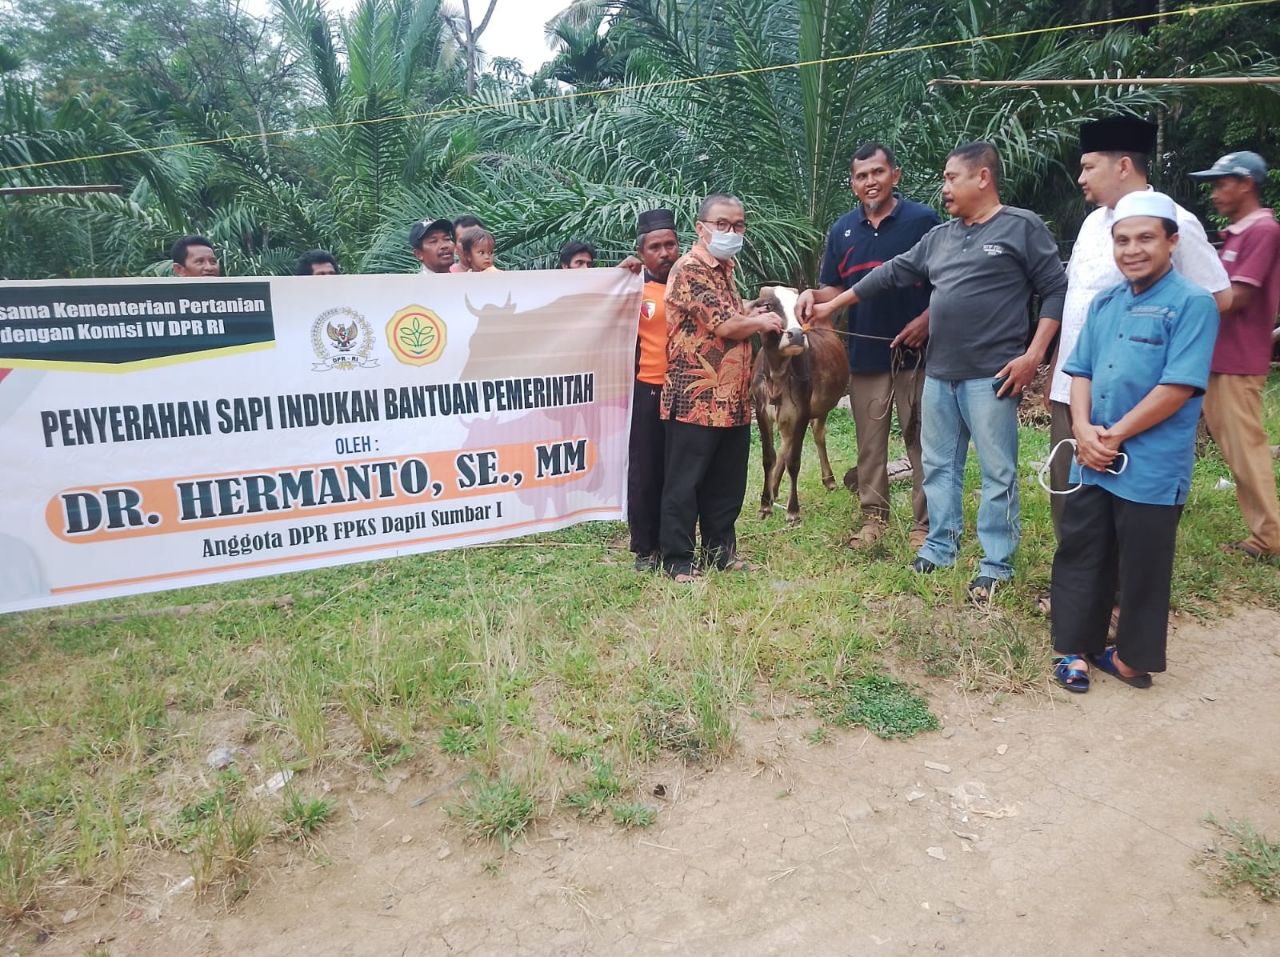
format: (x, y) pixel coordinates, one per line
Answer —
(1042, 824)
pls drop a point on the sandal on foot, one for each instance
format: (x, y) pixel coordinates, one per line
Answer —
(1067, 671)
(1247, 550)
(1107, 662)
(982, 589)
(740, 565)
(923, 566)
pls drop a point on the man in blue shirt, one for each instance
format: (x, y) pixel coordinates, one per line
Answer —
(1139, 372)
(883, 225)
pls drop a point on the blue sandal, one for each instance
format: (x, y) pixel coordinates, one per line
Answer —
(1106, 661)
(1068, 673)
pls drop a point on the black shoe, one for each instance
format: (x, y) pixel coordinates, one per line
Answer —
(923, 566)
(982, 589)
(647, 563)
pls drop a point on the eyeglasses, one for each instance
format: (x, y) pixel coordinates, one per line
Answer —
(724, 225)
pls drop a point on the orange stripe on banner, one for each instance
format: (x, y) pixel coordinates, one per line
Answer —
(159, 498)
(264, 562)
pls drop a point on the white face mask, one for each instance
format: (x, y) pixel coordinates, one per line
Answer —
(724, 245)
(1120, 463)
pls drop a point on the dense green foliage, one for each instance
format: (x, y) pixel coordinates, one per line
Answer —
(343, 129)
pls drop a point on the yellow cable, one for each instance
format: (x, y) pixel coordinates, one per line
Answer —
(638, 87)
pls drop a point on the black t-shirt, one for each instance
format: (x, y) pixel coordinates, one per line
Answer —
(854, 248)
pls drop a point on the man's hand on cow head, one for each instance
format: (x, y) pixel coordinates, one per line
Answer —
(804, 305)
(822, 313)
(770, 321)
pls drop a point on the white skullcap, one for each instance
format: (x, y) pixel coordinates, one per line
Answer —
(1145, 202)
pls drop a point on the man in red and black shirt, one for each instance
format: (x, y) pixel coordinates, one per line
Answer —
(881, 226)
(658, 248)
(706, 398)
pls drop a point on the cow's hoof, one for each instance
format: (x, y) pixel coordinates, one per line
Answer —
(829, 482)
(765, 511)
(851, 479)
(793, 518)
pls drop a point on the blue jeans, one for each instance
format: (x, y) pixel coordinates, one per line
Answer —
(951, 413)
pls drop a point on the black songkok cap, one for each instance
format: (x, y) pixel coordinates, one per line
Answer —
(654, 219)
(1118, 134)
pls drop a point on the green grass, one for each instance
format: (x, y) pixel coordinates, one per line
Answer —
(603, 784)
(495, 809)
(883, 705)
(525, 663)
(303, 817)
(634, 816)
(1245, 859)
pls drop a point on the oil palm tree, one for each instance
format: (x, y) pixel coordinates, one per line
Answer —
(714, 101)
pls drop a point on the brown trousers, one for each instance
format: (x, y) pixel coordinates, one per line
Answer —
(870, 398)
(1233, 412)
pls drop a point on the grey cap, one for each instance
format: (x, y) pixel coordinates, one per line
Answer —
(427, 225)
(1242, 163)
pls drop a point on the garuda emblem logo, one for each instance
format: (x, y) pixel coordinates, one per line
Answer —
(342, 339)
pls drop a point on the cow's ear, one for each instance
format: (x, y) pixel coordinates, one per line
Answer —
(766, 292)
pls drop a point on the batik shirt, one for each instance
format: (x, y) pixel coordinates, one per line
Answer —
(708, 378)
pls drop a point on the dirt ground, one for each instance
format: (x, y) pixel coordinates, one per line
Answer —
(1065, 825)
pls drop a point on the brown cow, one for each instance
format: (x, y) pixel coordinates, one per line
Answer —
(799, 376)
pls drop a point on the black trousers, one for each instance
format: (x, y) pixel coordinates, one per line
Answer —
(704, 484)
(1108, 541)
(644, 473)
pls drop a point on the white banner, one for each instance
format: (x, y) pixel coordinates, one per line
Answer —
(169, 432)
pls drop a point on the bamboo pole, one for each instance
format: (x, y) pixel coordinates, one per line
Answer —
(1125, 81)
(47, 190)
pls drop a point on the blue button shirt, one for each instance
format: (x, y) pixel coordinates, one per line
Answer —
(854, 248)
(1130, 344)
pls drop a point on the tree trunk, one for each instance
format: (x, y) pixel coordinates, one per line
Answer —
(471, 39)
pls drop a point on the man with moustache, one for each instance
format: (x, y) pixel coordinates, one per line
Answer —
(1138, 373)
(432, 242)
(193, 258)
(1242, 355)
(983, 265)
(1115, 156)
(657, 247)
(884, 224)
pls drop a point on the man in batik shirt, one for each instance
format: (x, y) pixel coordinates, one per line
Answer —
(706, 397)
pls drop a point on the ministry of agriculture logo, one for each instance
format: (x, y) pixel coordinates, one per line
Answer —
(342, 339)
(416, 336)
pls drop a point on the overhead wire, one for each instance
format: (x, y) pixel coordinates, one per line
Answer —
(473, 108)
